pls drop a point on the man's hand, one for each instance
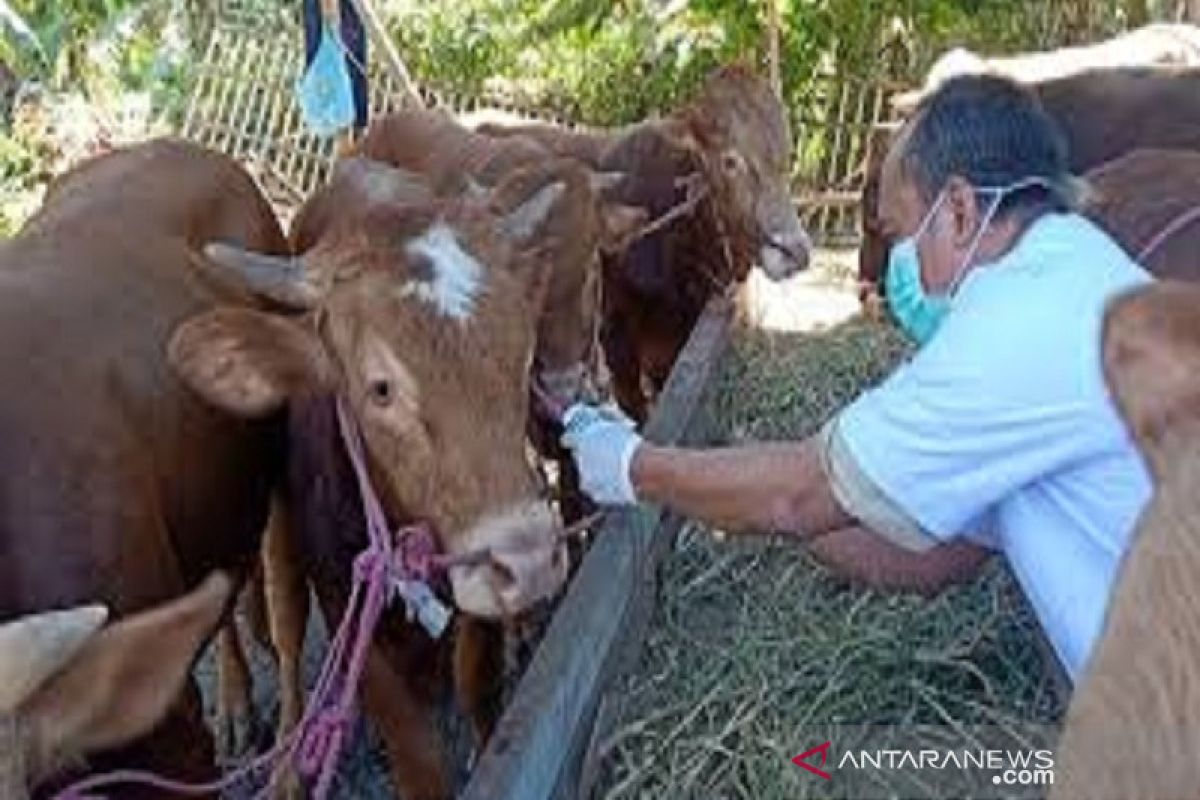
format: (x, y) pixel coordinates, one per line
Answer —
(602, 441)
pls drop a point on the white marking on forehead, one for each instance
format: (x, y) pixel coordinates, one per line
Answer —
(457, 276)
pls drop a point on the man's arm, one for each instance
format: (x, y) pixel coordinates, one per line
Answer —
(863, 556)
(767, 487)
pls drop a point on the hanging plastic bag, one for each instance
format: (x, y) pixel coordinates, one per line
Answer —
(324, 91)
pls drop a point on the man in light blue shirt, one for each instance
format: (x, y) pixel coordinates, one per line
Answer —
(998, 434)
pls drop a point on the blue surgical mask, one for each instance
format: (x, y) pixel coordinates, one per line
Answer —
(918, 312)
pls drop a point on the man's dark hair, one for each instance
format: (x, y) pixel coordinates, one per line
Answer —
(989, 131)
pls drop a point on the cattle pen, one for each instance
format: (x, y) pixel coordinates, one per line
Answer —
(679, 659)
(555, 736)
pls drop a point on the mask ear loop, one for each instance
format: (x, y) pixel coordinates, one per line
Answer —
(925, 223)
(1000, 192)
(922, 228)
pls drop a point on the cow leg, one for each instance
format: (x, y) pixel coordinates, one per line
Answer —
(478, 673)
(287, 617)
(573, 503)
(252, 604)
(625, 367)
(235, 710)
(406, 723)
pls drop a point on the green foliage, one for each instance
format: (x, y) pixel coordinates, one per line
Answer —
(100, 47)
(607, 61)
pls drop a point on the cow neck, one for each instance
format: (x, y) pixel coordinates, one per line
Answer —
(708, 211)
(1177, 224)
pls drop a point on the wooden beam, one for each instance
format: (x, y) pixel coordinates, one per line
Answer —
(543, 733)
(773, 64)
(391, 57)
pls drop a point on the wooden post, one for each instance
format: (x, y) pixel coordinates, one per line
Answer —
(1192, 12)
(773, 48)
(391, 57)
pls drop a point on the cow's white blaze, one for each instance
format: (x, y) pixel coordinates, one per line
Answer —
(457, 278)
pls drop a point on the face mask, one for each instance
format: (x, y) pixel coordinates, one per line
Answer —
(918, 312)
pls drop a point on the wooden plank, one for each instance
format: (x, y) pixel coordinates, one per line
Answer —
(542, 734)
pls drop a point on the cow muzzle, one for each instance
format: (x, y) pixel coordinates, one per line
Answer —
(783, 255)
(526, 563)
(564, 385)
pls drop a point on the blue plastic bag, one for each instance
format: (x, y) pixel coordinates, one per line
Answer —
(324, 91)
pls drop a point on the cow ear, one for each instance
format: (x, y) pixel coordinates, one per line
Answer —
(605, 183)
(34, 648)
(125, 678)
(520, 224)
(684, 135)
(247, 362)
(620, 224)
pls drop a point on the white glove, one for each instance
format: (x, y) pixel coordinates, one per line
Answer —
(602, 440)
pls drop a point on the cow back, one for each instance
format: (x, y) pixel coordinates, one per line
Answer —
(1149, 201)
(117, 484)
(1106, 113)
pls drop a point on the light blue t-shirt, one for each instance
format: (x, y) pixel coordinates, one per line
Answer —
(1003, 420)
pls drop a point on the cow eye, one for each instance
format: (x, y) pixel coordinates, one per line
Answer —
(731, 161)
(381, 392)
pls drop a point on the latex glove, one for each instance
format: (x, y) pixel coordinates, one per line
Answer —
(602, 441)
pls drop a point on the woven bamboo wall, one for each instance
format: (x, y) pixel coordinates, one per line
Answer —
(243, 100)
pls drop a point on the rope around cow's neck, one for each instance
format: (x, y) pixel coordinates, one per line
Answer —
(315, 744)
(1173, 227)
(390, 562)
(697, 193)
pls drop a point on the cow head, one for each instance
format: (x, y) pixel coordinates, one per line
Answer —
(1151, 349)
(738, 130)
(68, 688)
(421, 317)
(582, 224)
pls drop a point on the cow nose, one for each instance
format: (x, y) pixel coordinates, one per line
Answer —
(562, 387)
(525, 562)
(523, 577)
(785, 254)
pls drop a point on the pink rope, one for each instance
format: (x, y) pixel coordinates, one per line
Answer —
(1179, 223)
(315, 744)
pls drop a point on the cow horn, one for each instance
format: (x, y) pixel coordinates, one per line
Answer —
(522, 222)
(604, 182)
(282, 279)
(473, 189)
(35, 647)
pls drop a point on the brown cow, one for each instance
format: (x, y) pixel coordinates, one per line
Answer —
(1133, 726)
(432, 144)
(1102, 114)
(451, 159)
(420, 315)
(1149, 201)
(586, 146)
(68, 689)
(117, 484)
(730, 144)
